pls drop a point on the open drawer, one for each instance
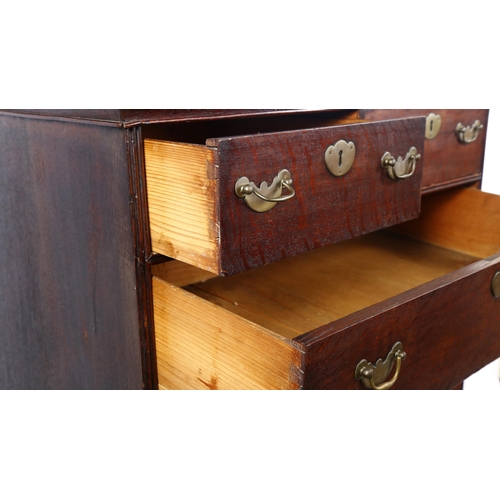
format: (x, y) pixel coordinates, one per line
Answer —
(432, 284)
(236, 203)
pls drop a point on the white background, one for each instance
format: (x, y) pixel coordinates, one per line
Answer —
(322, 445)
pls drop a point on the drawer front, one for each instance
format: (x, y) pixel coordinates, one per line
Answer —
(449, 329)
(326, 208)
(448, 159)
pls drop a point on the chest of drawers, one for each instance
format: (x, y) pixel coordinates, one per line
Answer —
(135, 258)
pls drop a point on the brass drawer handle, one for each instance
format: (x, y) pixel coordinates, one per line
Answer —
(495, 286)
(264, 198)
(466, 135)
(400, 169)
(373, 377)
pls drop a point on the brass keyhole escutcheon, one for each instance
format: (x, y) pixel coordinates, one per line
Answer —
(432, 125)
(339, 158)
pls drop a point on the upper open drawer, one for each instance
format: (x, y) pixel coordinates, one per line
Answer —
(240, 202)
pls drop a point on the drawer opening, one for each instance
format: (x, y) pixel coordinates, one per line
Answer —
(197, 132)
(305, 292)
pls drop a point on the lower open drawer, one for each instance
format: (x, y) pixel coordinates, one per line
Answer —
(308, 321)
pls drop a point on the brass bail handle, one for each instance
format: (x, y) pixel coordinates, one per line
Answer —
(264, 198)
(400, 169)
(469, 134)
(374, 376)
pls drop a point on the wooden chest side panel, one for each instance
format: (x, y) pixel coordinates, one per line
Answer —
(201, 346)
(449, 329)
(68, 302)
(326, 209)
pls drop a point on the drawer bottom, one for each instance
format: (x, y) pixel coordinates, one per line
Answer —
(297, 295)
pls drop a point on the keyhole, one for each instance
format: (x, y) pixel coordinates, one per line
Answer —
(432, 124)
(341, 152)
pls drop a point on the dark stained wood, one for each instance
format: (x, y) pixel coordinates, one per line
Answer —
(197, 131)
(102, 116)
(326, 209)
(449, 328)
(448, 162)
(140, 226)
(68, 304)
(133, 117)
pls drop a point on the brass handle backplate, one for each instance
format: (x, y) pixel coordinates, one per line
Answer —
(400, 169)
(264, 198)
(374, 376)
(466, 135)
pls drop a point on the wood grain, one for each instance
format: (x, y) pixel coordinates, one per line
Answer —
(447, 161)
(142, 250)
(134, 117)
(353, 301)
(449, 329)
(182, 203)
(68, 302)
(465, 220)
(305, 292)
(197, 218)
(326, 209)
(209, 348)
(180, 274)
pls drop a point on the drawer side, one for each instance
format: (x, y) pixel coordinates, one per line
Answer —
(182, 202)
(200, 346)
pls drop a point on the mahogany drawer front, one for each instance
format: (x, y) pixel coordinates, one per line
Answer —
(448, 329)
(196, 216)
(448, 160)
(307, 322)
